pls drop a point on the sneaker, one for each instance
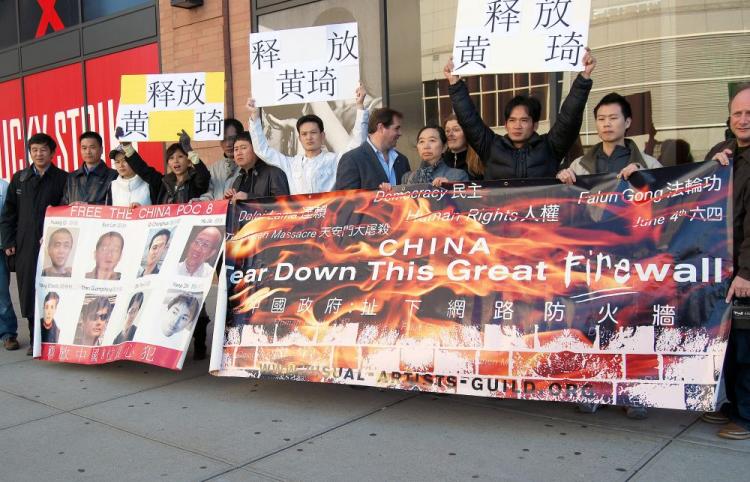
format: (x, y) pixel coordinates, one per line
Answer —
(11, 343)
(588, 407)
(636, 413)
(716, 418)
(734, 432)
(30, 351)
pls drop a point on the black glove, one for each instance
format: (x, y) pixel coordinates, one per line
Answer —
(185, 141)
(119, 132)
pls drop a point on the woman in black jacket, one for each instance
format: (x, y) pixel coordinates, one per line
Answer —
(188, 179)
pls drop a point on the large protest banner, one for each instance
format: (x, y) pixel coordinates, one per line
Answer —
(510, 36)
(115, 283)
(606, 291)
(156, 107)
(304, 64)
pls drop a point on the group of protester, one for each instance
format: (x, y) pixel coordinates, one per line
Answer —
(463, 149)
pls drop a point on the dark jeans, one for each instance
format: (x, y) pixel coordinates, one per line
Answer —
(200, 327)
(8, 320)
(737, 377)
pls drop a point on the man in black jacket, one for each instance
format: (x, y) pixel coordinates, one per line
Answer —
(89, 184)
(255, 179)
(736, 413)
(22, 222)
(376, 161)
(522, 153)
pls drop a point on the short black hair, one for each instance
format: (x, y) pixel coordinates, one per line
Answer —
(531, 104)
(310, 118)
(52, 296)
(42, 139)
(174, 148)
(440, 131)
(615, 98)
(115, 152)
(244, 136)
(161, 232)
(232, 122)
(136, 298)
(91, 135)
(383, 116)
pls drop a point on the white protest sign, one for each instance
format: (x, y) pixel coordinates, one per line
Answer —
(304, 65)
(508, 36)
(155, 107)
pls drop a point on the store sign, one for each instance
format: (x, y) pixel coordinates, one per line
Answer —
(55, 105)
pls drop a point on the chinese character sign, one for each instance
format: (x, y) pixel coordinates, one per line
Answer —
(156, 107)
(507, 36)
(115, 283)
(305, 64)
(599, 292)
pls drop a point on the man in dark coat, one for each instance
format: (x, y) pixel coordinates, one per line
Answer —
(736, 413)
(522, 153)
(90, 183)
(376, 162)
(255, 179)
(22, 222)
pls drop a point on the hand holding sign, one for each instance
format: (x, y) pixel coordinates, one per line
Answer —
(252, 110)
(184, 140)
(305, 64)
(589, 63)
(448, 72)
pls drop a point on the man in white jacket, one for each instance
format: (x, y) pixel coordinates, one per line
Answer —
(615, 153)
(315, 169)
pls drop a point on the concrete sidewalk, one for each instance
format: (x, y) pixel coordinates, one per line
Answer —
(126, 421)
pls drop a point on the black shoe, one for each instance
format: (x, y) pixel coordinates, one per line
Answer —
(30, 351)
(11, 343)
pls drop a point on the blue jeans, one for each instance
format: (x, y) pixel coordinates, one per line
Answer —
(8, 320)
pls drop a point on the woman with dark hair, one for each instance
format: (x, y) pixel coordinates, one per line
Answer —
(128, 331)
(459, 154)
(431, 143)
(188, 178)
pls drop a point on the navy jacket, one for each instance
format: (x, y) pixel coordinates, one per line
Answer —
(361, 169)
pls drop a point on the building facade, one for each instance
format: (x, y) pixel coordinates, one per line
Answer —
(61, 61)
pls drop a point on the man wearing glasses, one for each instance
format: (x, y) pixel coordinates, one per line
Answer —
(201, 249)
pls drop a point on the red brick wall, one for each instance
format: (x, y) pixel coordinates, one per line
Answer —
(192, 40)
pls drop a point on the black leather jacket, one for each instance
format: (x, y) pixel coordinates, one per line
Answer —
(91, 188)
(541, 155)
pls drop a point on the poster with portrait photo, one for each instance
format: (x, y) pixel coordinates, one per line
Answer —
(158, 243)
(124, 284)
(198, 259)
(93, 319)
(179, 312)
(107, 256)
(58, 249)
(127, 318)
